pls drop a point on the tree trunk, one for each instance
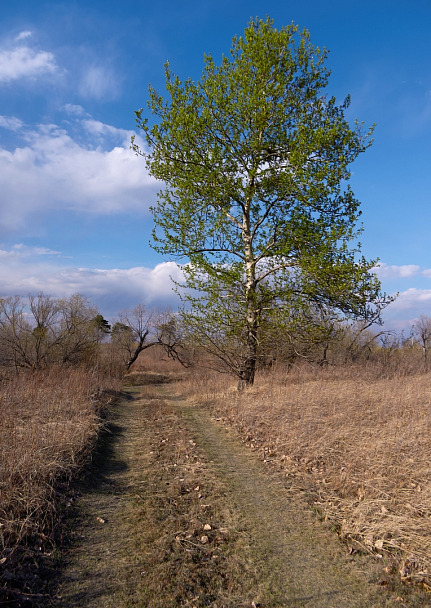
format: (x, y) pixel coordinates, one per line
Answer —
(246, 374)
(139, 348)
(248, 365)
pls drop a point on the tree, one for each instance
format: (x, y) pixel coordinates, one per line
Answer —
(80, 331)
(421, 331)
(254, 158)
(102, 327)
(139, 329)
(17, 335)
(40, 331)
(134, 333)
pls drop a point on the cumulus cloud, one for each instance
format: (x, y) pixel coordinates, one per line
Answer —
(416, 301)
(386, 271)
(23, 61)
(91, 171)
(407, 308)
(409, 303)
(28, 271)
(25, 270)
(100, 129)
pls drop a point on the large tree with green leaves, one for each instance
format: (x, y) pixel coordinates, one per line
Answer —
(254, 159)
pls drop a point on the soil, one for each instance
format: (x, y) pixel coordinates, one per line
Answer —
(176, 511)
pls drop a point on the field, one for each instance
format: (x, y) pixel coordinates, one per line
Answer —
(353, 439)
(356, 439)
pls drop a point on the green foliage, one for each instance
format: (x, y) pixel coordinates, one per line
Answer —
(119, 330)
(101, 325)
(254, 158)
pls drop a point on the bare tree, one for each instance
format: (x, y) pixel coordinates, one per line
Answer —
(139, 329)
(78, 334)
(15, 333)
(38, 331)
(421, 331)
(135, 332)
(390, 342)
(172, 336)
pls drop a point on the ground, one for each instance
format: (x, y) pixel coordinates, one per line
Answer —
(176, 511)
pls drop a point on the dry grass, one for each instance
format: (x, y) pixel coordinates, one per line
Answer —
(358, 441)
(48, 424)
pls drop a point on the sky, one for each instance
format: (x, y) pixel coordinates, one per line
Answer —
(74, 199)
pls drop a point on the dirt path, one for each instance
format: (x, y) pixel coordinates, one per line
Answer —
(177, 512)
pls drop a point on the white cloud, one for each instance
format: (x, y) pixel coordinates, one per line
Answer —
(407, 308)
(45, 251)
(23, 35)
(95, 127)
(11, 122)
(25, 62)
(26, 270)
(413, 299)
(20, 252)
(112, 290)
(54, 170)
(386, 271)
(74, 109)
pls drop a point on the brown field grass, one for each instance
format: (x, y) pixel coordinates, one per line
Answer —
(358, 441)
(48, 424)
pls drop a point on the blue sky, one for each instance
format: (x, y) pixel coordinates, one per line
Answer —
(74, 199)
